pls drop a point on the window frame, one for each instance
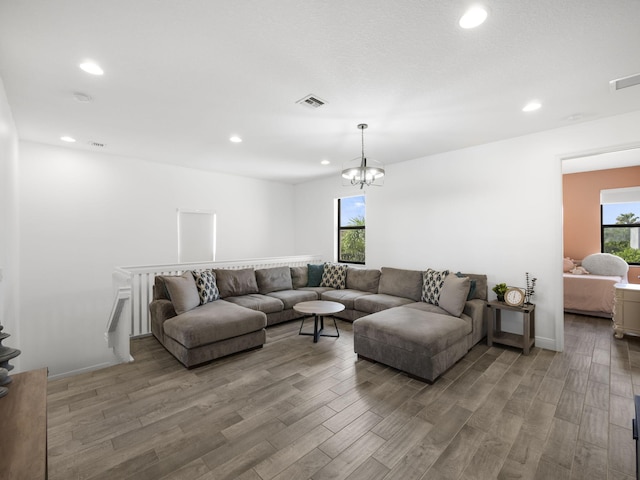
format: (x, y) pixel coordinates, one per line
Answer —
(615, 225)
(340, 229)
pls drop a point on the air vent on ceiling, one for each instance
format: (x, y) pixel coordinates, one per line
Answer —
(311, 101)
(96, 144)
(625, 82)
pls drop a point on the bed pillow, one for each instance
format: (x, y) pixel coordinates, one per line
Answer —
(568, 265)
(605, 264)
(453, 294)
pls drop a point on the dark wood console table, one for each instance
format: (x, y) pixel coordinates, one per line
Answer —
(23, 427)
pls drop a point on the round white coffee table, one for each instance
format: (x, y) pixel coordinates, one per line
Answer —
(319, 309)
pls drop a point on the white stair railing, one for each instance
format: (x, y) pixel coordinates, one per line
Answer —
(137, 282)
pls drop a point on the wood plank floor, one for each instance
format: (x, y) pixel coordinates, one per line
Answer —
(298, 410)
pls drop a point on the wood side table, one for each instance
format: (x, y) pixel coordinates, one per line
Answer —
(494, 327)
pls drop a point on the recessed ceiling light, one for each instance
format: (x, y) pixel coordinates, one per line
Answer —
(532, 106)
(325, 162)
(92, 68)
(68, 139)
(235, 139)
(473, 17)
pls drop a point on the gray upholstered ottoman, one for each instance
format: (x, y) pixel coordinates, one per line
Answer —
(423, 344)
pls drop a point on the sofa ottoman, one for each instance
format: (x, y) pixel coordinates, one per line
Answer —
(424, 344)
(213, 330)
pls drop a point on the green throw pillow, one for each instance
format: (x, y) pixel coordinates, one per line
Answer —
(315, 275)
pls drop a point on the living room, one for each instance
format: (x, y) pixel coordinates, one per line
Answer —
(71, 215)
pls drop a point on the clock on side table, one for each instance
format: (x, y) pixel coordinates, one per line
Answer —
(494, 327)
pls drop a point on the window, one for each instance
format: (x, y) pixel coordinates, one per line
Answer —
(620, 223)
(351, 230)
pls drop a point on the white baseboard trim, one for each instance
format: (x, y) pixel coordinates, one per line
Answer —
(83, 370)
(547, 344)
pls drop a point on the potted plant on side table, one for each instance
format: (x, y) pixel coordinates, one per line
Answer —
(500, 289)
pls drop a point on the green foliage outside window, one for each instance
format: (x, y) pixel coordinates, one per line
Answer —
(352, 242)
(617, 240)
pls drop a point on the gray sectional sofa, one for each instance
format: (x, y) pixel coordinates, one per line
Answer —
(419, 322)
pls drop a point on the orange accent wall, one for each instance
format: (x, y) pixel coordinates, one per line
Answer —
(581, 209)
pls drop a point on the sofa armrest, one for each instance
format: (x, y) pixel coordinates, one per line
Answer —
(160, 310)
(476, 310)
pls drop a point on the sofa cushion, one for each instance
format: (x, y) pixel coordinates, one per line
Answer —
(206, 284)
(256, 301)
(334, 275)
(412, 330)
(314, 275)
(300, 276)
(290, 297)
(453, 294)
(376, 302)
(401, 283)
(346, 297)
(273, 279)
(363, 279)
(427, 307)
(183, 291)
(432, 282)
(213, 322)
(233, 283)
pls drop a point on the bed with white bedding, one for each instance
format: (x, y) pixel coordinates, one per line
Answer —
(592, 291)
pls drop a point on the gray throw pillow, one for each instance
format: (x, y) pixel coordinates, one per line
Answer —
(183, 292)
(453, 294)
(299, 276)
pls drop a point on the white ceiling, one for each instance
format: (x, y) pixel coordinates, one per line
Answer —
(182, 76)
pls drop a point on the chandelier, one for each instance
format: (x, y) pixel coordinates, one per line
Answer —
(362, 171)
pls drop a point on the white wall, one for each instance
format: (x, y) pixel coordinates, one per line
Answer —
(9, 310)
(84, 213)
(494, 209)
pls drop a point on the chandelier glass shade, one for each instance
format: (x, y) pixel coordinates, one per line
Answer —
(361, 170)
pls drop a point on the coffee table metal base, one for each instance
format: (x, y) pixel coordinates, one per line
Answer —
(319, 320)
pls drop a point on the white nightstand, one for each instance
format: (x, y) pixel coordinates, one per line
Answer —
(626, 309)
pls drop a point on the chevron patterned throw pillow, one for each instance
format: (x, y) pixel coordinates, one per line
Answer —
(207, 287)
(334, 275)
(432, 282)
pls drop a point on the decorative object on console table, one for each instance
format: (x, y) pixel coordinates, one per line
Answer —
(530, 290)
(626, 309)
(6, 354)
(4, 373)
(500, 289)
(514, 297)
(494, 326)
